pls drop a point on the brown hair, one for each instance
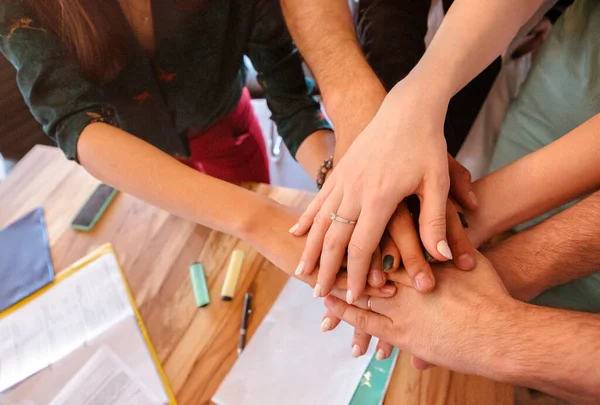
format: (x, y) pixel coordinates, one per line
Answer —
(93, 32)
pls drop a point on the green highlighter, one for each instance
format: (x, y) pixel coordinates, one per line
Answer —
(199, 284)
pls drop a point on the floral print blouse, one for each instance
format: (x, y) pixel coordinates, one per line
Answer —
(195, 78)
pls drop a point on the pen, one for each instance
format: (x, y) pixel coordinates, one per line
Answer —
(244, 328)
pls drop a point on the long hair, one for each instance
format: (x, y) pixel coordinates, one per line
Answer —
(93, 32)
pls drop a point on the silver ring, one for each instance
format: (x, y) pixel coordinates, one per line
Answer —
(335, 217)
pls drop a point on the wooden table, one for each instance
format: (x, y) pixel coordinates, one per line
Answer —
(196, 346)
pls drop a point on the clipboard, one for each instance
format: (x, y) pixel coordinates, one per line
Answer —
(130, 320)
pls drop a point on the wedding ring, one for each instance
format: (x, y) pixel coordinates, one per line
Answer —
(369, 304)
(335, 217)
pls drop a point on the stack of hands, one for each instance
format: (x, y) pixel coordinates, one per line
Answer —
(366, 239)
(399, 260)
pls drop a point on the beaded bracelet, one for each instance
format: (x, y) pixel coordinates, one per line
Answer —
(326, 166)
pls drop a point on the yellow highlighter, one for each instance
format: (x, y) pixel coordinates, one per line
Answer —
(233, 274)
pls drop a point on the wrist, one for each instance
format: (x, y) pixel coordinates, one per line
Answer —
(500, 360)
(520, 283)
(430, 83)
(353, 102)
(258, 227)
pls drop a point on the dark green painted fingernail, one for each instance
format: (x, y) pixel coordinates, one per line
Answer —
(388, 262)
(463, 220)
(428, 256)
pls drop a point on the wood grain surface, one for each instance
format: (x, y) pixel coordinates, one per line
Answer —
(196, 346)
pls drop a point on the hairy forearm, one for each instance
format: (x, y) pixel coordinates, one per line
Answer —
(138, 168)
(314, 150)
(551, 350)
(539, 182)
(325, 36)
(471, 36)
(561, 249)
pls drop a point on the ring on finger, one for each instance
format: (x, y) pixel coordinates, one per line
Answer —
(335, 217)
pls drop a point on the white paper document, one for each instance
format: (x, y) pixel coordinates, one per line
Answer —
(105, 379)
(62, 319)
(290, 361)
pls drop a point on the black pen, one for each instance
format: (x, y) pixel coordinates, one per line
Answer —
(245, 316)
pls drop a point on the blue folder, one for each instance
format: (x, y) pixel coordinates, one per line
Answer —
(25, 263)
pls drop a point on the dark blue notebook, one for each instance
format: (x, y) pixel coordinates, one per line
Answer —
(25, 264)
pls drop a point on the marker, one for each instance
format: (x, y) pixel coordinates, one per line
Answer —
(232, 275)
(199, 284)
(245, 316)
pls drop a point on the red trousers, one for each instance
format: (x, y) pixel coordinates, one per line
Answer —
(233, 149)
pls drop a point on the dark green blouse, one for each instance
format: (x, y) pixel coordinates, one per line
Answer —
(194, 80)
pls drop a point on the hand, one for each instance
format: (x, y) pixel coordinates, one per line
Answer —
(455, 326)
(397, 155)
(283, 250)
(403, 245)
(361, 339)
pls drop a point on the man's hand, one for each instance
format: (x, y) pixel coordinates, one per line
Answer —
(456, 326)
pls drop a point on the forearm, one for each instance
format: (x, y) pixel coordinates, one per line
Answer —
(563, 248)
(315, 150)
(551, 350)
(538, 182)
(325, 36)
(138, 168)
(471, 36)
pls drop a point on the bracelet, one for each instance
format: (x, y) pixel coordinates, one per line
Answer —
(326, 166)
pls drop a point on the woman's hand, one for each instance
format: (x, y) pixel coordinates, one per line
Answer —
(401, 152)
(270, 238)
(401, 245)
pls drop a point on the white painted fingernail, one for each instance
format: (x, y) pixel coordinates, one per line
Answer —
(444, 249)
(380, 355)
(356, 352)
(300, 268)
(317, 291)
(294, 228)
(349, 297)
(326, 325)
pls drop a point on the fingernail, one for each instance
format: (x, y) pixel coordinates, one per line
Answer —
(428, 256)
(356, 352)
(463, 220)
(349, 297)
(388, 262)
(317, 291)
(300, 268)
(388, 289)
(376, 277)
(473, 198)
(422, 282)
(294, 228)
(444, 249)
(326, 325)
(380, 355)
(466, 261)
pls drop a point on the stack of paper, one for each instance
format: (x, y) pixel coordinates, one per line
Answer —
(290, 361)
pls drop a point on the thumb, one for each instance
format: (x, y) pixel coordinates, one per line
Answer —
(432, 219)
